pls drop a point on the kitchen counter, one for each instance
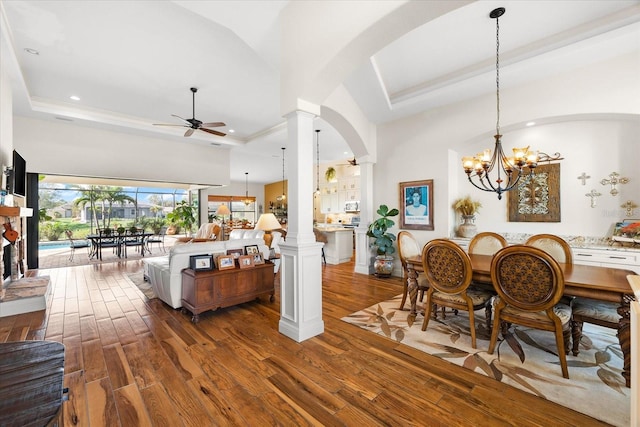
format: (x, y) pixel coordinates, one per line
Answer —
(339, 246)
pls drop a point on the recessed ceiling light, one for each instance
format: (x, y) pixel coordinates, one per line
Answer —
(31, 51)
(231, 130)
(74, 97)
(531, 123)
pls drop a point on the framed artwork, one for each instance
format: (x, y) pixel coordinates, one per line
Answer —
(226, 262)
(258, 259)
(416, 205)
(215, 256)
(245, 261)
(235, 253)
(627, 230)
(201, 262)
(251, 249)
(537, 197)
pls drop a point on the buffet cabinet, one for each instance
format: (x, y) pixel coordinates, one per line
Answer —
(213, 289)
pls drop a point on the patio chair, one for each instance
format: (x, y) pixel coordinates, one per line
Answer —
(158, 239)
(75, 244)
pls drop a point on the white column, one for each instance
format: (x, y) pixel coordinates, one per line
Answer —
(364, 254)
(301, 255)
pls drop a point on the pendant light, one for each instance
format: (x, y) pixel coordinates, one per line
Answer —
(247, 200)
(317, 161)
(284, 196)
(508, 170)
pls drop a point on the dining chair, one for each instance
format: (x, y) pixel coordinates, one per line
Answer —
(132, 238)
(109, 238)
(556, 246)
(75, 244)
(592, 311)
(448, 270)
(486, 243)
(158, 239)
(408, 247)
(530, 284)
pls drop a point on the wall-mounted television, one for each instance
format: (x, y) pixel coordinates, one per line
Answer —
(18, 177)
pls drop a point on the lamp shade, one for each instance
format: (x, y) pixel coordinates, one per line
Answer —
(267, 222)
(223, 210)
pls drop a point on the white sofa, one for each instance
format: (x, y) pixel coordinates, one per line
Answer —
(165, 273)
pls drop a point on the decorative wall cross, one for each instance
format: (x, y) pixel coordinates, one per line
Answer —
(629, 206)
(584, 177)
(614, 180)
(593, 194)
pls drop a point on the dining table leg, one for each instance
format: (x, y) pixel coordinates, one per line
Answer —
(624, 337)
(412, 288)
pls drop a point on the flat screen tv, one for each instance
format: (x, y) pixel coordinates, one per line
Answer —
(18, 175)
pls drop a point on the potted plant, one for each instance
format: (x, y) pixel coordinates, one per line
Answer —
(330, 174)
(383, 243)
(467, 208)
(183, 216)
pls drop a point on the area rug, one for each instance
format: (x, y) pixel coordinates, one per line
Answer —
(144, 286)
(526, 358)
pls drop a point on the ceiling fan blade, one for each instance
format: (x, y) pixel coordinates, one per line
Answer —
(212, 125)
(167, 124)
(215, 132)
(184, 120)
(189, 132)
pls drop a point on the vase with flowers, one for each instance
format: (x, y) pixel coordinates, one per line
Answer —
(467, 208)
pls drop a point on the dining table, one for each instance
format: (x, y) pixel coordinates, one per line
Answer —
(588, 281)
(117, 241)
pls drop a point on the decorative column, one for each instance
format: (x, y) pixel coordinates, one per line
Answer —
(363, 264)
(301, 255)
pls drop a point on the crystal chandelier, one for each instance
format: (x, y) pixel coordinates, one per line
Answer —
(507, 171)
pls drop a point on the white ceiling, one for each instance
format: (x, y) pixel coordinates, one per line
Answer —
(132, 64)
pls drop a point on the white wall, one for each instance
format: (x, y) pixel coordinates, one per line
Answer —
(61, 148)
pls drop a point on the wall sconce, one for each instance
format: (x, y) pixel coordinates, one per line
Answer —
(614, 180)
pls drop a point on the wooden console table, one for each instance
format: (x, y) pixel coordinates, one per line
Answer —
(210, 290)
(31, 382)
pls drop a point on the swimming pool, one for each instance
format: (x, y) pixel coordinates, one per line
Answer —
(43, 246)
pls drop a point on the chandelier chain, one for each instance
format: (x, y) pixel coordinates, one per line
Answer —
(498, 75)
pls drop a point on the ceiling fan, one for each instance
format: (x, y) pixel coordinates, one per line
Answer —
(194, 124)
(351, 162)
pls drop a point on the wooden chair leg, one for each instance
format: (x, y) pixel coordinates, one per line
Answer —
(560, 343)
(427, 313)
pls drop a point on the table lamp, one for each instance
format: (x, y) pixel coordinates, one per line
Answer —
(268, 222)
(223, 211)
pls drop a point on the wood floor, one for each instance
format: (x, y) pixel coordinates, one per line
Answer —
(137, 362)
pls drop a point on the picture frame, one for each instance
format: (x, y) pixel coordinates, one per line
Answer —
(416, 205)
(202, 262)
(258, 259)
(226, 262)
(245, 261)
(626, 230)
(215, 256)
(235, 253)
(536, 199)
(251, 249)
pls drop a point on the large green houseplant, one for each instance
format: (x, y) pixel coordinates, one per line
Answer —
(383, 240)
(184, 216)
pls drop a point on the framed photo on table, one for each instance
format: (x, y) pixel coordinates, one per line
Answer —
(201, 262)
(416, 205)
(251, 249)
(258, 259)
(245, 261)
(226, 262)
(235, 253)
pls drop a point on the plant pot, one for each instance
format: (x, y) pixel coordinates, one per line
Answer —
(383, 266)
(467, 229)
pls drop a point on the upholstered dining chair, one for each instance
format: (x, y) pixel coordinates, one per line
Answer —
(600, 313)
(556, 246)
(530, 283)
(408, 247)
(486, 243)
(448, 270)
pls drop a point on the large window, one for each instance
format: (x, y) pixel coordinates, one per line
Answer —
(242, 214)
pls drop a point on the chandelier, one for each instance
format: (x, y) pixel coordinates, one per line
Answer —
(507, 171)
(247, 201)
(317, 161)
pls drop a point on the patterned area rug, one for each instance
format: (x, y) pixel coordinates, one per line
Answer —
(143, 285)
(525, 359)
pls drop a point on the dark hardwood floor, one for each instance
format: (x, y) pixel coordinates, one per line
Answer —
(135, 362)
